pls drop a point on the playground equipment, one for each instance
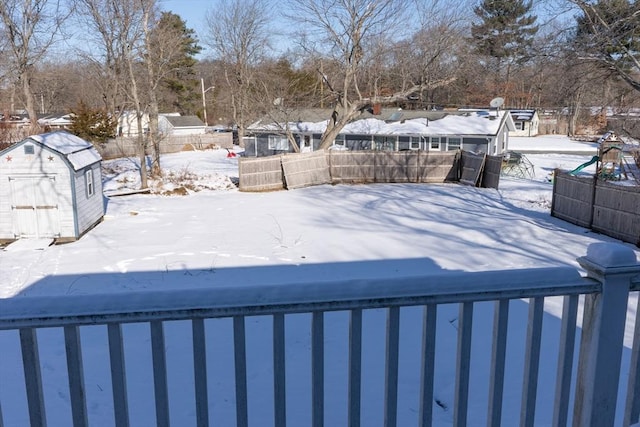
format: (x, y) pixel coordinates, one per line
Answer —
(517, 164)
(609, 160)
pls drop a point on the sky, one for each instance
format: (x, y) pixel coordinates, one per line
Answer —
(221, 237)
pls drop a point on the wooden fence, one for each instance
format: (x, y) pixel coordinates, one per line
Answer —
(359, 167)
(128, 147)
(610, 209)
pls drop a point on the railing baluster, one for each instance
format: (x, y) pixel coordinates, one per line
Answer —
(32, 377)
(160, 373)
(391, 367)
(118, 375)
(317, 368)
(240, 359)
(428, 364)
(76, 376)
(532, 362)
(632, 408)
(498, 356)
(463, 362)
(200, 372)
(355, 366)
(565, 360)
(279, 372)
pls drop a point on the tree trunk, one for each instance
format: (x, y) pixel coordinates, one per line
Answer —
(34, 127)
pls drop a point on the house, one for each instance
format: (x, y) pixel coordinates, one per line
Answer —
(176, 125)
(527, 122)
(56, 121)
(168, 124)
(51, 188)
(128, 124)
(392, 130)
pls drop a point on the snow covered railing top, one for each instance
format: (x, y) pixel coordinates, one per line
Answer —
(442, 288)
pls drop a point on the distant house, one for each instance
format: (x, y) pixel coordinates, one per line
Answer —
(527, 122)
(128, 124)
(52, 188)
(391, 130)
(169, 124)
(56, 121)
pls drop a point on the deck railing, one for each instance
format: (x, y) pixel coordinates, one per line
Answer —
(586, 394)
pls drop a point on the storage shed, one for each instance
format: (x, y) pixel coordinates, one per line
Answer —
(50, 187)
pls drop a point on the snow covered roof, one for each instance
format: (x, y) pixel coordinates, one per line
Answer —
(476, 123)
(79, 152)
(522, 115)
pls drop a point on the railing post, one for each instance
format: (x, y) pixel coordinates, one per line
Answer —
(603, 325)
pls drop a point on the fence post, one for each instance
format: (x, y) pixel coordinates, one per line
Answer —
(613, 265)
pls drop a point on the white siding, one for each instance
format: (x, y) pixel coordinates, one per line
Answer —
(35, 165)
(89, 208)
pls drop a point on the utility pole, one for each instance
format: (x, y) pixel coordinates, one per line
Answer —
(204, 102)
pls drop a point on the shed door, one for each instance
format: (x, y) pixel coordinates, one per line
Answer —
(34, 206)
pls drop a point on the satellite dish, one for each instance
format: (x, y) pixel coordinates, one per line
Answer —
(497, 102)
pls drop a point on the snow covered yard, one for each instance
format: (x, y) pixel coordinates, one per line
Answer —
(227, 238)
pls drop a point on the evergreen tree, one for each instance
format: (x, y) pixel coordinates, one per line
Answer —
(93, 125)
(506, 30)
(180, 84)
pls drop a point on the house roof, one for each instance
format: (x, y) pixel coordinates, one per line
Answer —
(184, 121)
(79, 152)
(522, 115)
(431, 123)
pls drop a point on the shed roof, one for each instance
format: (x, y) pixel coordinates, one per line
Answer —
(79, 152)
(184, 121)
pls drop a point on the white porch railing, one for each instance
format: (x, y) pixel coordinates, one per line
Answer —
(587, 395)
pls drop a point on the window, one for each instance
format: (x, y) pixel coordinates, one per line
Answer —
(88, 180)
(414, 142)
(434, 143)
(519, 125)
(339, 140)
(385, 143)
(453, 144)
(28, 149)
(278, 142)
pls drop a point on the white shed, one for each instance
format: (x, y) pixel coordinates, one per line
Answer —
(50, 187)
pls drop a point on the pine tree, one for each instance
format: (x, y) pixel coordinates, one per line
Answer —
(179, 81)
(506, 30)
(93, 125)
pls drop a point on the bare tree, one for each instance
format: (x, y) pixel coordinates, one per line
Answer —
(608, 34)
(349, 33)
(238, 36)
(29, 28)
(119, 25)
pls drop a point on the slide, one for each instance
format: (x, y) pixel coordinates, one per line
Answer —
(584, 165)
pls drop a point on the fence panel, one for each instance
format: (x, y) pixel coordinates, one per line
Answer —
(572, 199)
(437, 167)
(305, 169)
(396, 166)
(491, 173)
(607, 208)
(616, 212)
(261, 174)
(352, 167)
(128, 146)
